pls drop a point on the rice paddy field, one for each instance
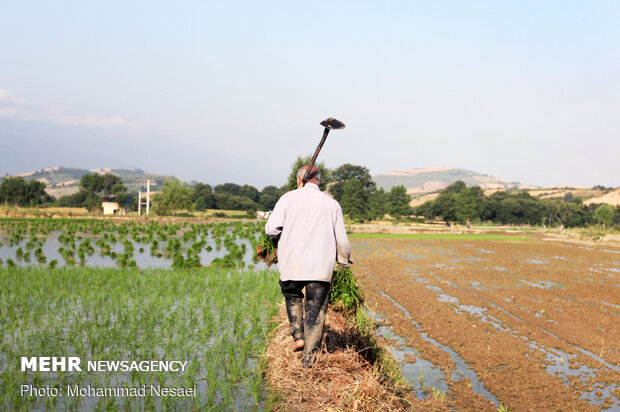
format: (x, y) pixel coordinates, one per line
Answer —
(481, 322)
(493, 322)
(106, 291)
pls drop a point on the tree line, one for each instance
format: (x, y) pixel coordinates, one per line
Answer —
(351, 185)
(459, 203)
(18, 191)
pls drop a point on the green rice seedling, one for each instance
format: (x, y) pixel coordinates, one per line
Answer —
(128, 247)
(82, 256)
(189, 236)
(124, 260)
(41, 259)
(30, 244)
(267, 250)
(437, 393)
(345, 294)
(173, 246)
(180, 262)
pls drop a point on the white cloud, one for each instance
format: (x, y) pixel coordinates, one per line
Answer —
(6, 97)
(13, 108)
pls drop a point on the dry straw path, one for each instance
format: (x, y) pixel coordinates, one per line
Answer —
(343, 378)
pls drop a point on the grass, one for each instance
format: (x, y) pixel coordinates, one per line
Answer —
(596, 230)
(17, 211)
(436, 236)
(215, 319)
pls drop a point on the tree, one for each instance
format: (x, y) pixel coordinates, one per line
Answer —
(173, 196)
(202, 196)
(92, 183)
(250, 192)
(445, 206)
(604, 214)
(268, 197)
(456, 187)
(468, 203)
(399, 202)
(17, 191)
(575, 214)
(426, 209)
(616, 218)
(378, 204)
(227, 201)
(112, 184)
(75, 200)
(348, 171)
(291, 183)
(230, 188)
(552, 211)
(352, 201)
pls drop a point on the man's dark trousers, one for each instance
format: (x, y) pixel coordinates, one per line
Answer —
(309, 329)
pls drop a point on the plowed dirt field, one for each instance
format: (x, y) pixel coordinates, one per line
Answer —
(529, 325)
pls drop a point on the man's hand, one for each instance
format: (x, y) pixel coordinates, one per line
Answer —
(344, 265)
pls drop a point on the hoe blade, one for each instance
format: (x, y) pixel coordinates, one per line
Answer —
(332, 123)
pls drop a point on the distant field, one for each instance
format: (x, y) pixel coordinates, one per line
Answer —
(435, 236)
(16, 211)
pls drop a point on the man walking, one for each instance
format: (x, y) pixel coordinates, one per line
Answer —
(312, 238)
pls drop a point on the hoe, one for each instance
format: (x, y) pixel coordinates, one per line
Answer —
(329, 124)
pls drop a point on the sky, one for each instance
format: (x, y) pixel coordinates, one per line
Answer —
(216, 92)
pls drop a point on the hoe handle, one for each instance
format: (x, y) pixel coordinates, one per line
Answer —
(315, 155)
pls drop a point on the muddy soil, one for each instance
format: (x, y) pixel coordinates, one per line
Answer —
(530, 325)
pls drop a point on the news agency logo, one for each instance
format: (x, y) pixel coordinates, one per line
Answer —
(51, 364)
(72, 364)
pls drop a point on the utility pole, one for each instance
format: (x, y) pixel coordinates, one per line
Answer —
(148, 195)
(139, 201)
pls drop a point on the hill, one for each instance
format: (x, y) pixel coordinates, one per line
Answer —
(424, 184)
(610, 197)
(62, 181)
(431, 179)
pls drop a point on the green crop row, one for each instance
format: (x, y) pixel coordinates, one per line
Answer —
(215, 319)
(182, 243)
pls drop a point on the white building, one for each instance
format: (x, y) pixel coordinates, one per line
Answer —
(110, 208)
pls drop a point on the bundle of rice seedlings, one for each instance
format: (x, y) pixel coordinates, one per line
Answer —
(267, 250)
(344, 294)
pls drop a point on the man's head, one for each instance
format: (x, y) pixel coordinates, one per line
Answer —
(314, 177)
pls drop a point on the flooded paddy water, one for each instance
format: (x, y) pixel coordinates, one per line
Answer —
(525, 324)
